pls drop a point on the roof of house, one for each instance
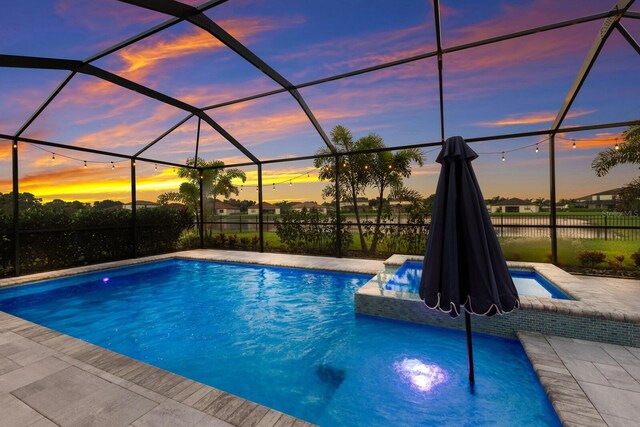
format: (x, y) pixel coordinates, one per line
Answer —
(222, 205)
(602, 193)
(306, 205)
(265, 205)
(514, 201)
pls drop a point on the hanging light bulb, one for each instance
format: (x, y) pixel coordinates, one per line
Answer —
(290, 184)
(257, 189)
(156, 167)
(307, 174)
(366, 167)
(53, 157)
(537, 149)
(390, 167)
(344, 164)
(574, 143)
(241, 187)
(85, 164)
(15, 145)
(503, 159)
(617, 147)
(133, 163)
(113, 166)
(274, 186)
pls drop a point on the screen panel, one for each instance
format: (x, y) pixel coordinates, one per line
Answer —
(75, 212)
(73, 29)
(469, 21)
(189, 64)
(516, 85)
(611, 88)
(310, 40)
(594, 209)
(93, 113)
(399, 104)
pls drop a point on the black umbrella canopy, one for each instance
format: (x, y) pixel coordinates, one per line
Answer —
(463, 264)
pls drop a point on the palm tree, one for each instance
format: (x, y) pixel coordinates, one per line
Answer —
(188, 194)
(387, 172)
(353, 175)
(383, 170)
(628, 152)
(215, 181)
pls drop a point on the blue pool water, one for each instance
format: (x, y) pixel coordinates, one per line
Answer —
(407, 279)
(289, 339)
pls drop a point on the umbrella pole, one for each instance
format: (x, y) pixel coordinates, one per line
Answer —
(467, 325)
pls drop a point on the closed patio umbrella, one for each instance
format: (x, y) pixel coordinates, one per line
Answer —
(464, 268)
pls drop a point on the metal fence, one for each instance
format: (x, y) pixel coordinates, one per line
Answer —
(605, 226)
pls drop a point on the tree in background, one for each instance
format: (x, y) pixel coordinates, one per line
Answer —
(215, 181)
(381, 170)
(628, 152)
(353, 174)
(107, 204)
(188, 194)
(387, 172)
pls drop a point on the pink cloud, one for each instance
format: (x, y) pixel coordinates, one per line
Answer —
(531, 118)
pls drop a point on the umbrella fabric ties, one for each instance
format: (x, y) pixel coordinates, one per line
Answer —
(464, 268)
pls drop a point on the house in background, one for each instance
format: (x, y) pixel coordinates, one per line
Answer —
(602, 200)
(223, 208)
(514, 205)
(140, 204)
(361, 202)
(267, 208)
(309, 205)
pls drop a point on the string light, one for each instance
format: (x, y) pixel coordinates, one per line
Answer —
(257, 189)
(15, 145)
(290, 183)
(537, 149)
(274, 186)
(617, 147)
(366, 167)
(390, 167)
(85, 164)
(133, 163)
(156, 167)
(503, 159)
(241, 187)
(574, 143)
(113, 166)
(53, 157)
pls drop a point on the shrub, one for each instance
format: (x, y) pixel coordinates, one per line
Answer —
(245, 242)
(591, 258)
(636, 257)
(232, 240)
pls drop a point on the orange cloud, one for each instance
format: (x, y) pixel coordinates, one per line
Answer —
(601, 140)
(531, 118)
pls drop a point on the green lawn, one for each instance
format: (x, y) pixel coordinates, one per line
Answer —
(539, 250)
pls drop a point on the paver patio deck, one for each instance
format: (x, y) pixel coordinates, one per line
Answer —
(47, 378)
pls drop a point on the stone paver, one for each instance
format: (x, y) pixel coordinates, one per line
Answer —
(599, 390)
(47, 379)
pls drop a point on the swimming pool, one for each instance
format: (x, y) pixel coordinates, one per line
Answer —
(407, 279)
(289, 339)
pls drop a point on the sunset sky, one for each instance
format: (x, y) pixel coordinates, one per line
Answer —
(505, 87)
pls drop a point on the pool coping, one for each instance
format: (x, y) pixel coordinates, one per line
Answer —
(347, 265)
